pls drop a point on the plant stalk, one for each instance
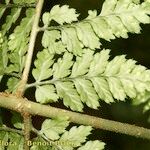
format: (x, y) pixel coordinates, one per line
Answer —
(12, 103)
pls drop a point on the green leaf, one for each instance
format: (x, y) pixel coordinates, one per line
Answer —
(12, 84)
(10, 19)
(51, 41)
(93, 145)
(16, 64)
(99, 63)
(87, 93)
(81, 65)
(75, 137)
(45, 94)
(116, 88)
(20, 38)
(16, 120)
(87, 36)
(45, 18)
(129, 13)
(53, 128)
(102, 88)
(90, 77)
(70, 96)
(70, 39)
(43, 63)
(63, 14)
(117, 18)
(16, 140)
(61, 69)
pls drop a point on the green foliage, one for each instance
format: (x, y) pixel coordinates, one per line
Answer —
(46, 94)
(19, 39)
(116, 19)
(93, 77)
(15, 12)
(57, 137)
(11, 141)
(72, 67)
(75, 136)
(53, 128)
(13, 48)
(61, 15)
(42, 70)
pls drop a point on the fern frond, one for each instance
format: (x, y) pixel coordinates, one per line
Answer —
(49, 41)
(61, 68)
(75, 136)
(69, 94)
(12, 84)
(117, 18)
(18, 43)
(10, 137)
(45, 94)
(19, 39)
(92, 77)
(43, 71)
(61, 15)
(54, 128)
(15, 13)
(54, 131)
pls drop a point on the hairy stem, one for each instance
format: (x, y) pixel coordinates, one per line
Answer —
(33, 108)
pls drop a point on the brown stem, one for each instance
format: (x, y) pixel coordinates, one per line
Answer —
(33, 108)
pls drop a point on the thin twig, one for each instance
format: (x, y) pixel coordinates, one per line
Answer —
(34, 108)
